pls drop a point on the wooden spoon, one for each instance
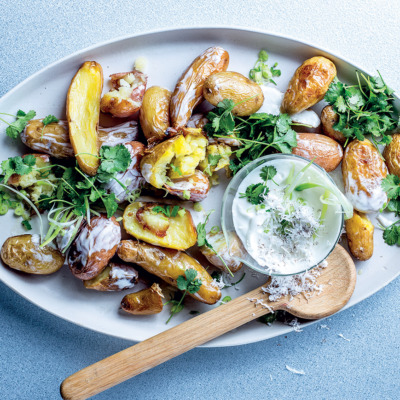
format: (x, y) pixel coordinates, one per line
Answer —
(338, 278)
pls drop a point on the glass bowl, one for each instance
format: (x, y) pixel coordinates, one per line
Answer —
(227, 223)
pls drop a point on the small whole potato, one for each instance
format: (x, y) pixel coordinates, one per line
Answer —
(308, 85)
(145, 302)
(154, 113)
(363, 171)
(360, 236)
(391, 154)
(325, 152)
(24, 253)
(328, 119)
(188, 92)
(236, 87)
(93, 247)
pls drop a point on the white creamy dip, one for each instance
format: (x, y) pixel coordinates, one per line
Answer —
(285, 235)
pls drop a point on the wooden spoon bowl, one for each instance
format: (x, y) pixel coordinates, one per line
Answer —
(338, 280)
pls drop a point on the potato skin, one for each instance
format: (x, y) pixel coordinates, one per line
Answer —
(360, 236)
(145, 302)
(197, 185)
(118, 134)
(326, 152)
(188, 91)
(124, 101)
(154, 114)
(24, 253)
(391, 154)
(363, 170)
(168, 265)
(115, 277)
(229, 255)
(93, 247)
(180, 233)
(234, 86)
(328, 119)
(83, 112)
(308, 85)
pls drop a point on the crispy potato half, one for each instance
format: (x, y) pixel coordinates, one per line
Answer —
(360, 236)
(24, 253)
(391, 154)
(83, 111)
(154, 114)
(328, 119)
(188, 91)
(193, 188)
(308, 85)
(325, 152)
(236, 87)
(145, 302)
(363, 171)
(114, 277)
(144, 222)
(168, 265)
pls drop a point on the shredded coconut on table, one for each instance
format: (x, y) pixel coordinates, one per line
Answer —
(295, 371)
(341, 335)
(295, 325)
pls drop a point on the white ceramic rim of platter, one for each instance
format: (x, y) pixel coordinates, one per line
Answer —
(233, 341)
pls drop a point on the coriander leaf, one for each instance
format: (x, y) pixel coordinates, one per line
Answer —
(226, 104)
(113, 159)
(255, 193)
(15, 128)
(268, 172)
(336, 89)
(213, 159)
(17, 165)
(391, 185)
(49, 119)
(110, 204)
(283, 123)
(194, 286)
(391, 235)
(181, 282)
(394, 206)
(190, 274)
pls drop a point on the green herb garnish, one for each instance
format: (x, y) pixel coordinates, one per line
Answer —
(391, 185)
(261, 73)
(16, 127)
(168, 211)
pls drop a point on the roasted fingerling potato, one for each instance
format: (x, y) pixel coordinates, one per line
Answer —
(154, 114)
(125, 97)
(115, 277)
(360, 236)
(308, 85)
(363, 171)
(193, 188)
(391, 154)
(24, 253)
(152, 226)
(145, 302)
(118, 134)
(188, 91)
(328, 119)
(236, 87)
(93, 247)
(168, 265)
(325, 152)
(229, 253)
(83, 111)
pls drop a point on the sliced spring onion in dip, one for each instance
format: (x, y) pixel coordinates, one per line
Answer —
(288, 229)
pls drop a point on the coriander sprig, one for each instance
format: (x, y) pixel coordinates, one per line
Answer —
(391, 185)
(189, 284)
(16, 127)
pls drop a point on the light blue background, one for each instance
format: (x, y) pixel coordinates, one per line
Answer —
(38, 350)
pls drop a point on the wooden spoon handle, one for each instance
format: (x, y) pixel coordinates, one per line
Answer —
(164, 346)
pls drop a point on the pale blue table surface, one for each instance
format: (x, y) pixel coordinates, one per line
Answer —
(38, 350)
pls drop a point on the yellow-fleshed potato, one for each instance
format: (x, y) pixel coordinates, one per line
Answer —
(125, 97)
(168, 265)
(174, 158)
(115, 277)
(83, 111)
(308, 85)
(142, 222)
(328, 119)
(94, 247)
(236, 87)
(53, 139)
(217, 157)
(229, 254)
(360, 236)
(188, 91)
(29, 182)
(391, 154)
(325, 152)
(24, 253)
(193, 188)
(363, 171)
(145, 302)
(154, 114)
